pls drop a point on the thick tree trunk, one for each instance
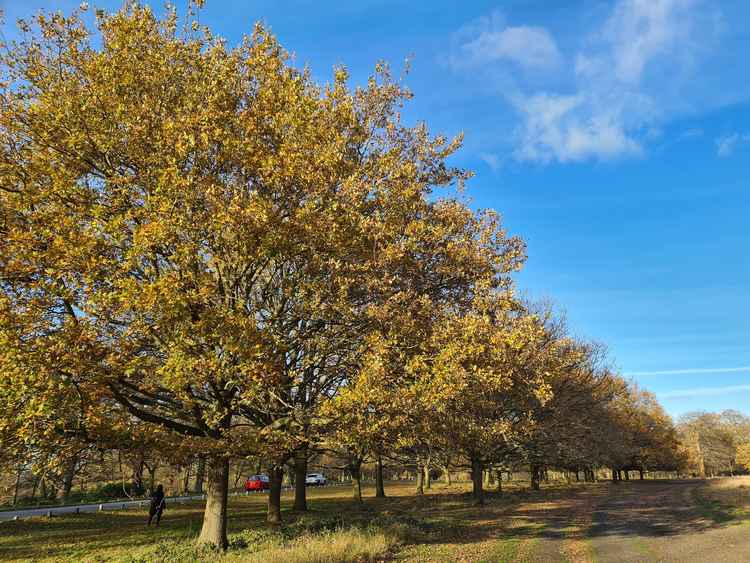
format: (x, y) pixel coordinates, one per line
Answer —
(356, 470)
(427, 477)
(214, 530)
(379, 485)
(627, 474)
(535, 476)
(447, 476)
(420, 479)
(476, 478)
(499, 481)
(300, 473)
(275, 476)
(200, 474)
(641, 473)
(578, 477)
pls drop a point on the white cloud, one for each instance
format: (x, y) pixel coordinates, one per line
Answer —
(625, 77)
(563, 128)
(530, 47)
(704, 392)
(640, 31)
(690, 371)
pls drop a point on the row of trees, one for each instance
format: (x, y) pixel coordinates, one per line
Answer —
(203, 253)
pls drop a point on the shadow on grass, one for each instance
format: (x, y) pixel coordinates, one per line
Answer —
(648, 508)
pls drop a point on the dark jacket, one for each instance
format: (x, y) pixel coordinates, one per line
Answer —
(157, 500)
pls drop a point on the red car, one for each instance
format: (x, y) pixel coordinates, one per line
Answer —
(257, 483)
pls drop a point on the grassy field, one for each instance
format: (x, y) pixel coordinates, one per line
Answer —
(442, 525)
(560, 523)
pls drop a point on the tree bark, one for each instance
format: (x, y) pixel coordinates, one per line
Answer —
(355, 468)
(627, 474)
(420, 479)
(300, 474)
(427, 476)
(641, 472)
(499, 480)
(379, 485)
(136, 465)
(476, 479)
(214, 530)
(70, 471)
(447, 476)
(273, 515)
(200, 474)
(18, 483)
(535, 477)
(186, 480)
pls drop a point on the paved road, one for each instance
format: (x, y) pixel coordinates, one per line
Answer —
(73, 509)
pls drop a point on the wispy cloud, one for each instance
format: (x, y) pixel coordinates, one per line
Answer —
(614, 89)
(488, 39)
(726, 144)
(704, 392)
(690, 371)
(491, 160)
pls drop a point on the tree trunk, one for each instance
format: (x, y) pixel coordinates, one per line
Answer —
(136, 465)
(18, 483)
(476, 479)
(355, 468)
(578, 477)
(535, 477)
(214, 530)
(200, 474)
(186, 480)
(447, 476)
(641, 472)
(499, 481)
(273, 515)
(615, 475)
(152, 477)
(70, 471)
(427, 477)
(379, 486)
(300, 473)
(420, 479)
(627, 474)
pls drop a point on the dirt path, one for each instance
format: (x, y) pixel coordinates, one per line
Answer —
(659, 521)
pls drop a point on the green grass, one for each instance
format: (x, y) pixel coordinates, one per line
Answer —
(444, 525)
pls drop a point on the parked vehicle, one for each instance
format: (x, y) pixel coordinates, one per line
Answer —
(257, 483)
(315, 479)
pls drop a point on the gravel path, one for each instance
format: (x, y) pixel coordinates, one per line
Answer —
(661, 521)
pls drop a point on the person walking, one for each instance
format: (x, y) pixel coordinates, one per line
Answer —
(158, 504)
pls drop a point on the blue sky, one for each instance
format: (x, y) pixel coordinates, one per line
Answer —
(613, 136)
